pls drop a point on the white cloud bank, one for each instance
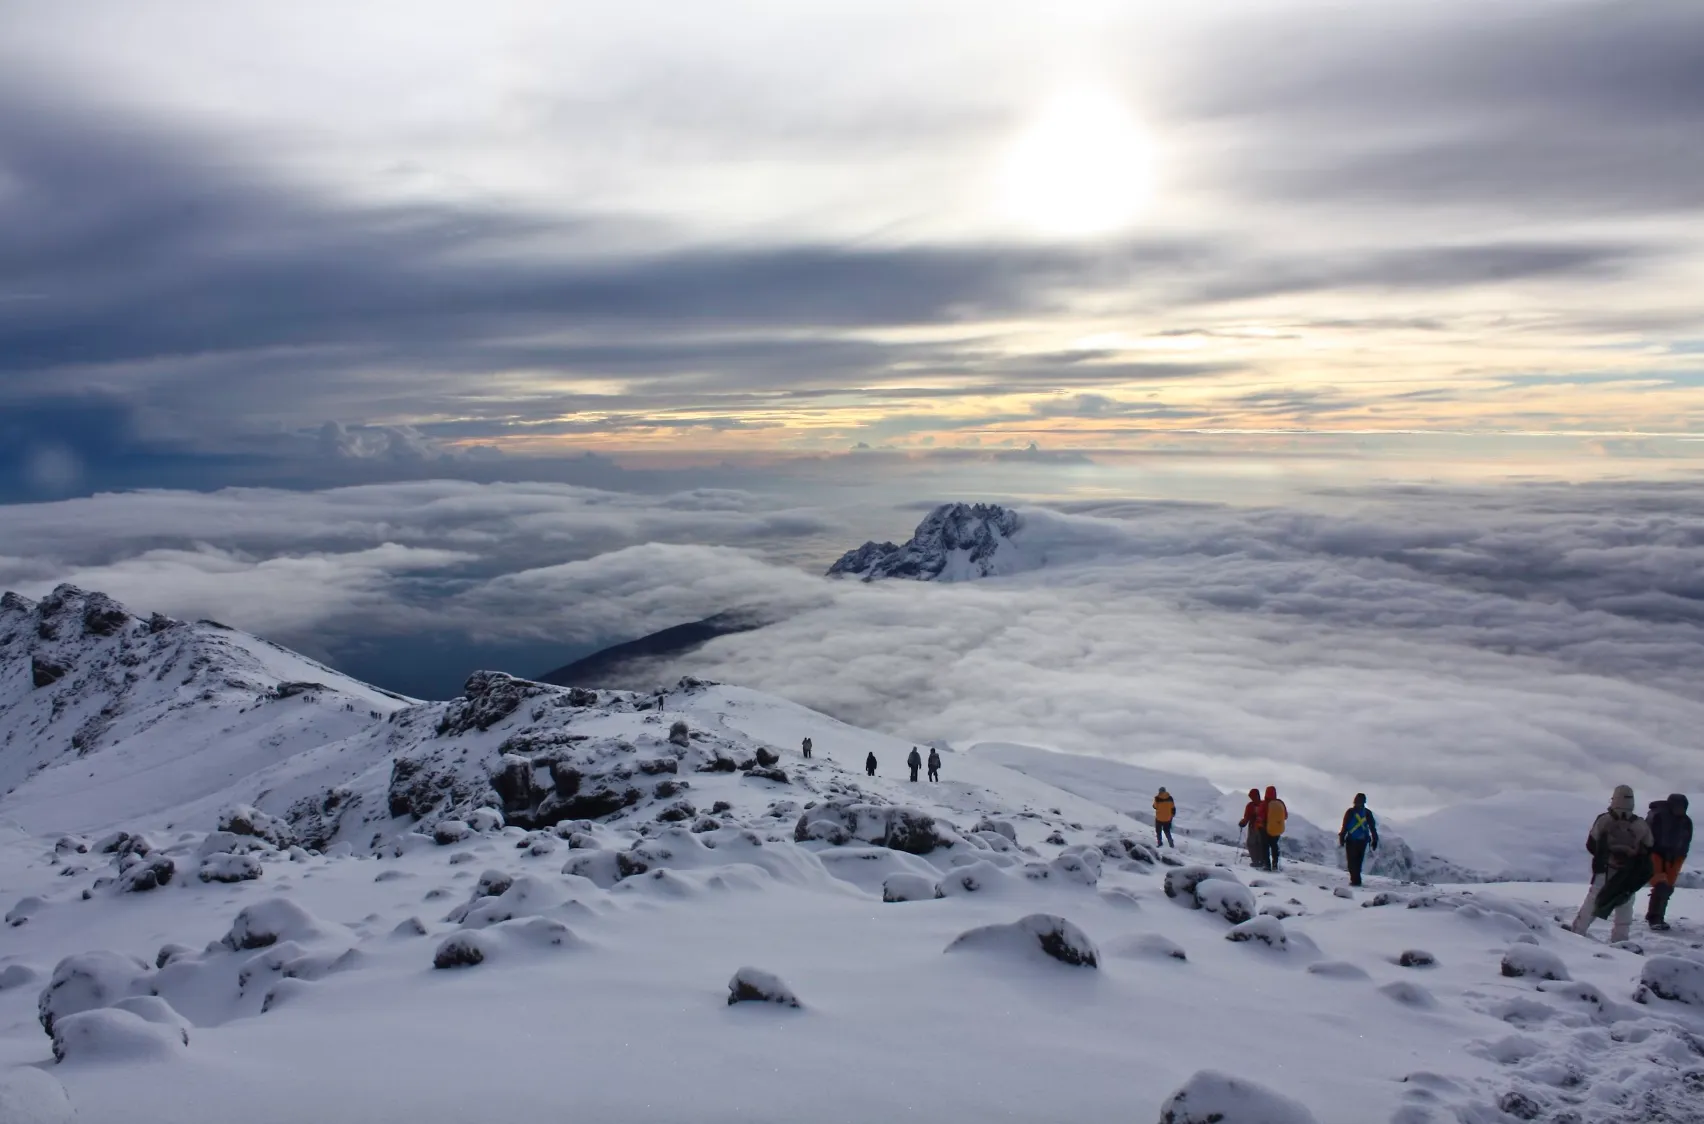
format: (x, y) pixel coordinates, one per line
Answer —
(1424, 646)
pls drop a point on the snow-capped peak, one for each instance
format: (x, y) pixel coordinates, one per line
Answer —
(954, 542)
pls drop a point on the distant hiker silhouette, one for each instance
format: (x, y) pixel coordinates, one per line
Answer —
(916, 763)
(805, 747)
(1620, 845)
(1274, 817)
(870, 765)
(1165, 808)
(934, 765)
(1359, 833)
(1254, 818)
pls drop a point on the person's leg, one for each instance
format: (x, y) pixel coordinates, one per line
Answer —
(1621, 922)
(1159, 833)
(1356, 850)
(1583, 919)
(1273, 851)
(1170, 842)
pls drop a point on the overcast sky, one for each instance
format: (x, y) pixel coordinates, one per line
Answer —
(403, 230)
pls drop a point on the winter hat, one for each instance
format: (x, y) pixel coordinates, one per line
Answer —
(1622, 801)
(1162, 791)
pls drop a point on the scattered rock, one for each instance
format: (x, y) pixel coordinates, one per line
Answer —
(267, 922)
(450, 832)
(749, 985)
(767, 758)
(1052, 935)
(147, 874)
(839, 822)
(24, 910)
(1343, 892)
(1230, 900)
(16, 975)
(680, 734)
(1416, 958)
(1146, 946)
(111, 1034)
(1211, 1097)
(1409, 994)
(246, 820)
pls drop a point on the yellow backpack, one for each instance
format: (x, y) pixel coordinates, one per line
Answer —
(1275, 813)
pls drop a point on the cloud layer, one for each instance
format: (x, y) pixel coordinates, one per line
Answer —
(1431, 644)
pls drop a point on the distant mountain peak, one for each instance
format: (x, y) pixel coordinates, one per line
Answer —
(954, 542)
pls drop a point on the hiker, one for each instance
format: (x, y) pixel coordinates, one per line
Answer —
(1620, 845)
(1671, 838)
(1276, 814)
(934, 764)
(870, 764)
(916, 763)
(1164, 809)
(1254, 818)
(1360, 833)
(805, 748)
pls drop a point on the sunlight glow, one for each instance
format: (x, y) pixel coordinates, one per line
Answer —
(1083, 166)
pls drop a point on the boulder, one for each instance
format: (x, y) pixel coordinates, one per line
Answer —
(450, 832)
(265, 923)
(111, 1034)
(839, 822)
(459, 950)
(1146, 946)
(1673, 979)
(1529, 960)
(680, 734)
(488, 697)
(1416, 958)
(1211, 1097)
(243, 819)
(1183, 883)
(998, 827)
(1038, 934)
(750, 985)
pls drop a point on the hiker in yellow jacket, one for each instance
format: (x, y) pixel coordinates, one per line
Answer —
(1276, 814)
(1165, 809)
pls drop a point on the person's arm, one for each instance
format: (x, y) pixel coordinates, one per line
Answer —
(1343, 831)
(1373, 826)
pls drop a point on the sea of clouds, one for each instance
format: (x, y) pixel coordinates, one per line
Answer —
(1425, 644)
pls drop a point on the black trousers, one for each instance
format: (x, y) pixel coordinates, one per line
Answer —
(934, 773)
(1272, 851)
(914, 774)
(1356, 850)
(1162, 831)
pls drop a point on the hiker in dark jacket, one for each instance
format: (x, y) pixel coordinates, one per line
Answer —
(870, 765)
(1254, 818)
(1358, 835)
(1671, 839)
(1617, 840)
(934, 764)
(916, 763)
(805, 748)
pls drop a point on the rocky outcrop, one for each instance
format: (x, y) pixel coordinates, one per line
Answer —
(839, 822)
(954, 541)
(488, 697)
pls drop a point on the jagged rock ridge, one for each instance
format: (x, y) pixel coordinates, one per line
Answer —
(954, 542)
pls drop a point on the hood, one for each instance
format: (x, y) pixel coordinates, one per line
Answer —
(1271, 792)
(1677, 803)
(1254, 794)
(1622, 800)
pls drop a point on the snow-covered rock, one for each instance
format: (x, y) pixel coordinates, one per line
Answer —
(229, 868)
(1230, 900)
(752, 985)
(113, 1035)
(1211, 1097)
(1671, 978)
(145, 874)
(910, 888)
(275, 919)
(1039, 934)
(1146, 946)
(954, 542)
(86, 981)
(1264, 930)
(1529, 960)
(839, 822)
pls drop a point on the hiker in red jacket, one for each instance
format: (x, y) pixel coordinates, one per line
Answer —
(1254, 818)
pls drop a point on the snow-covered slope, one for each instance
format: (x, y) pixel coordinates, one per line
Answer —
(954, 542)
(540, 902)
(106, 717)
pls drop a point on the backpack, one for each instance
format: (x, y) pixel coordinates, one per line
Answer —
(1360, 825)
(1275, 815)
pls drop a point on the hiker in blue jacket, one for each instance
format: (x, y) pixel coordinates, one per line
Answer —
(1359, 833)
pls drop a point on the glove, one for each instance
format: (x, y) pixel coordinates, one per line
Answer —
(1340, 841)
(1375, 844)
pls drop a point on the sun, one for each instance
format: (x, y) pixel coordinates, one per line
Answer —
(1083, 166)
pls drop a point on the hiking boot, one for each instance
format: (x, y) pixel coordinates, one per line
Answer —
(1658, 926)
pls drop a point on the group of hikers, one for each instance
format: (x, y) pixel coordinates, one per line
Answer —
(913, 761)
(1264, 819)
(1628, 853)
